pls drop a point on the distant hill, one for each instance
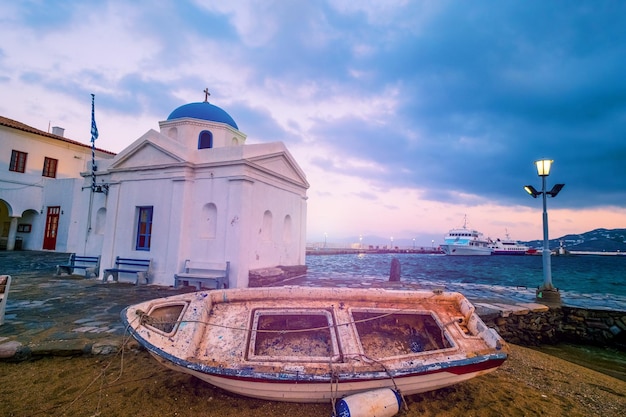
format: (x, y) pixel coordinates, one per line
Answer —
(598, 240)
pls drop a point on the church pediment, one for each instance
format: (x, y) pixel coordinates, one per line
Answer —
(151, 150)
(282, 164)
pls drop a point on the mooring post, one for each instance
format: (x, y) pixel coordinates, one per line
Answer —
(394, 274)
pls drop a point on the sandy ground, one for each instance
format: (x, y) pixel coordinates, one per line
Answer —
(530, 383)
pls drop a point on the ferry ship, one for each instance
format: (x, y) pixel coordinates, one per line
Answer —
(464, 241)
(508, 246)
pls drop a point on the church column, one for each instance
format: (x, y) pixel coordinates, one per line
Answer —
(109, 239)
(12, 233)
(177, 238)
(239, 224)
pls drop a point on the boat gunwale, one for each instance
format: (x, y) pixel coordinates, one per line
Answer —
(314, 293)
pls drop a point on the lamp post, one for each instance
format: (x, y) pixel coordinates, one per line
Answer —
(546, 291)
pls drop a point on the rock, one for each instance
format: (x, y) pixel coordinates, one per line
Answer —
(9, 349)
(105, 347)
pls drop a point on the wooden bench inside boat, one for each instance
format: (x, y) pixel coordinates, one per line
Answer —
(90, 264)
(211, 275)
(140, 268)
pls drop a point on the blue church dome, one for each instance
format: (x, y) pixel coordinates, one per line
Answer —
(203, 111)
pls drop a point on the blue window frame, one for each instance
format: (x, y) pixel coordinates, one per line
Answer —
(205, 140)
(144, 228)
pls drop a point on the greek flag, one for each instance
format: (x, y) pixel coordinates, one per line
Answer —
(94, 128)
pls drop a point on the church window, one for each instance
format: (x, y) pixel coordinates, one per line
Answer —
(50, 167)
(205, 140)
(18, 161)
(144, 228)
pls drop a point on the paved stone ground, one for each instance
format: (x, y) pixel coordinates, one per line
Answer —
(63, 315)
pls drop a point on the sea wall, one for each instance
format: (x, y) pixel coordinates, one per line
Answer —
(279, 275)
(561, 324)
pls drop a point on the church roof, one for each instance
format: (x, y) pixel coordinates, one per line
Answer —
(203, 111)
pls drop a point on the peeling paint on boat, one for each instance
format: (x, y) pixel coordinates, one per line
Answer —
(312, 344)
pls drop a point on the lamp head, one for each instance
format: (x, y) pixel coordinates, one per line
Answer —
(532, 191)
(543, 167)
(555, 190)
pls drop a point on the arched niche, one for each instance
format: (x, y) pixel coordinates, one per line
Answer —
(101, 220)
(287, 229)
(266, 229)
(208, 223)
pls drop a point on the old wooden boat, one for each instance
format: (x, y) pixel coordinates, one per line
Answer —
(303, 344)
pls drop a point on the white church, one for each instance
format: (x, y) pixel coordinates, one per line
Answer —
(191, 191)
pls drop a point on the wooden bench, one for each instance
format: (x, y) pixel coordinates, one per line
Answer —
(5, 283)
(91, 265)
(139, 267)
(199, 274)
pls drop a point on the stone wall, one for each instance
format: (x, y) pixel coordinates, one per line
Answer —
(562, 324)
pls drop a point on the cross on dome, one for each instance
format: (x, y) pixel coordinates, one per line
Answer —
(206, 95)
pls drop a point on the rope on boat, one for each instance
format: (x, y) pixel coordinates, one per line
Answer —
(334, 389)
(145, 318)
(126, 337)
(393, 381)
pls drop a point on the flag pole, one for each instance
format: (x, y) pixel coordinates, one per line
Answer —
(94, 136)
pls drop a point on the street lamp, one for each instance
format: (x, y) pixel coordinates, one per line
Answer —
(546, 291)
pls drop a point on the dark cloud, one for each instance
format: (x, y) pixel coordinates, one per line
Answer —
(491, 89)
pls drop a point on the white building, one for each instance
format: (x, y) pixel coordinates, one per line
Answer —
(195, 191)
(40, 174)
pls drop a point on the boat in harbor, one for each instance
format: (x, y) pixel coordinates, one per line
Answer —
(509, 246)
(303, 344)
(464, 241)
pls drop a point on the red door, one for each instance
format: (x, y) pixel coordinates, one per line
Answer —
(52, 225)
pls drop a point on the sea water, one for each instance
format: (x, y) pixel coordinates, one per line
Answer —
(586, 281)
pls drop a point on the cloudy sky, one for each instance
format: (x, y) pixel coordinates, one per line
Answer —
(406, 116)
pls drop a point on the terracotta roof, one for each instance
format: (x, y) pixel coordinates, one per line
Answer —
(4, 121)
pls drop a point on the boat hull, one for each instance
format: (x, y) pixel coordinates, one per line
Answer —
(335, 341)
(509, 252)
(464, 250)
(315, 392)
